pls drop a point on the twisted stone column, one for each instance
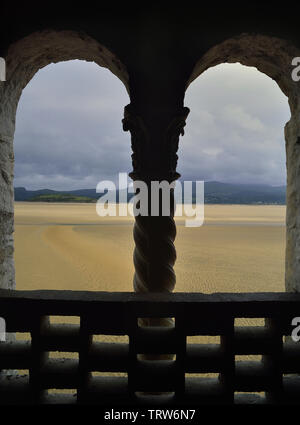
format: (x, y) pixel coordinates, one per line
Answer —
(154, 257)
(154, 254)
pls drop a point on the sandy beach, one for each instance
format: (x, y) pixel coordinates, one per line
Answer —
(239, 248)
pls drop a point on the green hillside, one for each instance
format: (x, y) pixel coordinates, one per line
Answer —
(60, 197)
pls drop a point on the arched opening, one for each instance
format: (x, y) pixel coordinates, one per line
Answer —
(252, 257)
(23, 60)
(273, 57)
(68, 138)
(235, 142)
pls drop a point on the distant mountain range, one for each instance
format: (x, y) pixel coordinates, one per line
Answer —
(227, 193)
(214, 193)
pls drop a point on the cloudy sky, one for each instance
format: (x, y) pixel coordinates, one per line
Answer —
(69, 133)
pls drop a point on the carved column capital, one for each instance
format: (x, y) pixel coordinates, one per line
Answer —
(171, 142)
(139, 140)
(154, 155)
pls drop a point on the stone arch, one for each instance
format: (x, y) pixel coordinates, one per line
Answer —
(23, 59)
(273, 57)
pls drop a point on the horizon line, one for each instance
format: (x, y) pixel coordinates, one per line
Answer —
(205, 181)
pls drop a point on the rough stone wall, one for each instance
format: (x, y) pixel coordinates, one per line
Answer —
(292, 136)
(23, 60)
(7, 272)
(8, 105)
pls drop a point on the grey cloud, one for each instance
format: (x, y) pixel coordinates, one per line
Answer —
(69, 133)
(235, 131)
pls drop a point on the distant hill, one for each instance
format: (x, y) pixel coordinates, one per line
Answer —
(22, 194)
(214, 193)
(227, 193)
(60, 197)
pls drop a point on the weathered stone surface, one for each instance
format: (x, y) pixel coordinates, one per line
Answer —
(7, 270)
(270, 55)
(292, 135)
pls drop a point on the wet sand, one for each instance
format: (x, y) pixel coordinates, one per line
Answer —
(239, 248)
